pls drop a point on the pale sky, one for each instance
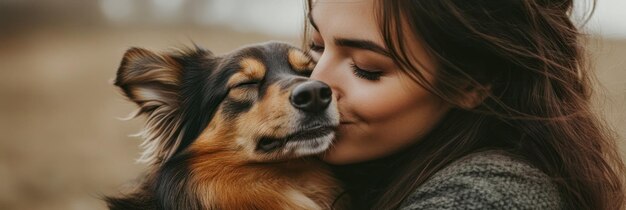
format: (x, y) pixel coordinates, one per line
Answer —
(609, 19)
(284, 17)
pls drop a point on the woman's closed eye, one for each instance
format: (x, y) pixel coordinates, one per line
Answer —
(365, 74)
(357, 71)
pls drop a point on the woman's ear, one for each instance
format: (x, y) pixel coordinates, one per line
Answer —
(474, 96)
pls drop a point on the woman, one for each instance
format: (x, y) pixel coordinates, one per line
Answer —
(463, 104)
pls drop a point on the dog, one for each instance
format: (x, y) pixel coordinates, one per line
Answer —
(237, 131)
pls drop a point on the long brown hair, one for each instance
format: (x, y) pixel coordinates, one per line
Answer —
(528, 59)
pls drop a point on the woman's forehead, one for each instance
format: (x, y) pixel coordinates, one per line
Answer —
(346, 19)
(357, 19)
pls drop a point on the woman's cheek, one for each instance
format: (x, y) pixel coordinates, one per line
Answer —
(380, 101)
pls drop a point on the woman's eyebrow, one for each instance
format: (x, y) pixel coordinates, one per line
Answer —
(362, 44)
(353, 43)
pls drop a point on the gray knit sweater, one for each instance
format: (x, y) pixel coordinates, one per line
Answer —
(486, 180)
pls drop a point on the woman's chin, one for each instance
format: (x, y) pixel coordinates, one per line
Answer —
(340, 154)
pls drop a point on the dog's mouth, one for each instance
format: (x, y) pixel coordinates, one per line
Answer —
(268, 144)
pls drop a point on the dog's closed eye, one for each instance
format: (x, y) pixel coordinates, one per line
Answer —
(246, 84)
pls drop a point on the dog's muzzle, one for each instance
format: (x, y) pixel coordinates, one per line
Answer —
(311, 96)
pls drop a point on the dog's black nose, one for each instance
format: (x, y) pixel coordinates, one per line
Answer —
(311, 96)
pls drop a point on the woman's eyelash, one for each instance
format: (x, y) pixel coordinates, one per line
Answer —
(359, 72)
(316, 48)
(365, 74)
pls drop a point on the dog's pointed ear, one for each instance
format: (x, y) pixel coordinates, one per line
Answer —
(153, 82)
(147, 77)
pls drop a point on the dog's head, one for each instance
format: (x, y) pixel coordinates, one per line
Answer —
(256, 101)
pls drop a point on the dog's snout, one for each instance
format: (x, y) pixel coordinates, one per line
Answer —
(311, 96)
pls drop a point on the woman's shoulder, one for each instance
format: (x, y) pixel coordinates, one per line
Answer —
(486, 180)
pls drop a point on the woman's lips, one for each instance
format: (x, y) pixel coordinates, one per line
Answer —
(345, 122)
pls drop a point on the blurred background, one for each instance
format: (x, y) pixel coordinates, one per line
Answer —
(61, 144)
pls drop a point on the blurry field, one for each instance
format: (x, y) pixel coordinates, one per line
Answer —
(61, 146)
(608, 57)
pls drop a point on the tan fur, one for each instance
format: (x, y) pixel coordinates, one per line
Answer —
(300, 62)
(272, 114)
(251, 70)
(240, 94)
(275, 184)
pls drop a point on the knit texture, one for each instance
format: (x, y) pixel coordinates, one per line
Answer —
(486, 180)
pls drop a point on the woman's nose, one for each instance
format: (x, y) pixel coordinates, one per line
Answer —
(311, 96)
(323, 72)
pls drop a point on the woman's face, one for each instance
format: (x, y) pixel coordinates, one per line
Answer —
(382, 109)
